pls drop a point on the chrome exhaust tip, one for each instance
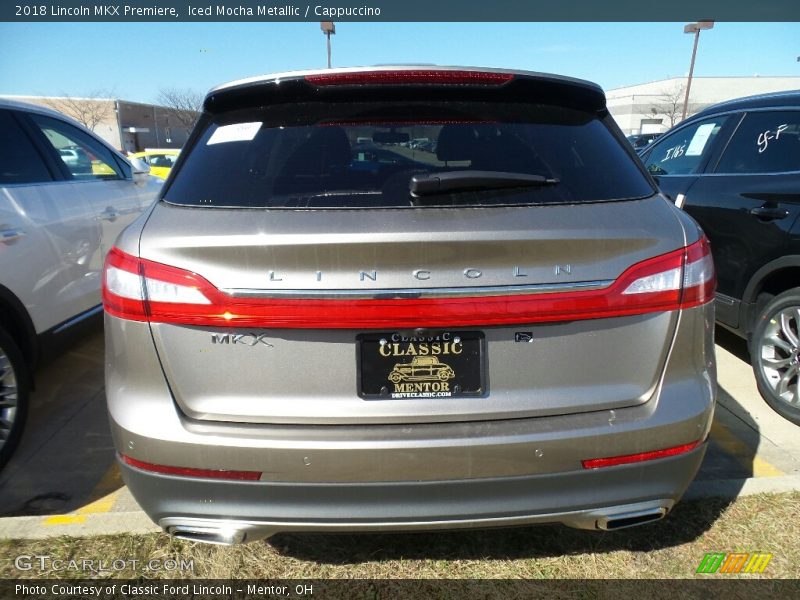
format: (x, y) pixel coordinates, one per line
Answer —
(631, 519)
(215, 531)
(611, 518)
(208, 535)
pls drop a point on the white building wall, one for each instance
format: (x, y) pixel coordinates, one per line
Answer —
(107, 128)
(632, 104)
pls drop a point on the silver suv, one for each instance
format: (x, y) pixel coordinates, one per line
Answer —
(266, 320)
(65, 196)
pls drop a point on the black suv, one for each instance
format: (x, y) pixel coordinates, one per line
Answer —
(640, 141)
(735, 167)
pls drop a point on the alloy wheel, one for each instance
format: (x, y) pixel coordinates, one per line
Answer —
(8, 397)
(780, 355)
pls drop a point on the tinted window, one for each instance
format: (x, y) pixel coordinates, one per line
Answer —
(680, 153)
(162, 160)
(19, 160)
(83, 156)
(764, 142)
(364, 155)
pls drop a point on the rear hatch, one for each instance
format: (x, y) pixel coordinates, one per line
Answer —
(408, 249)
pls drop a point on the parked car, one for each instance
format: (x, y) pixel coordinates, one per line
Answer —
(735, 167)
(159, 161)
(65, 195)
(640, 141)
(254, 319)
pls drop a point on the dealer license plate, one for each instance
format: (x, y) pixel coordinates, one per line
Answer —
(445, 364)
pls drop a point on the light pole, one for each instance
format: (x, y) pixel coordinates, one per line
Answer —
(694, 28)
(328, 28)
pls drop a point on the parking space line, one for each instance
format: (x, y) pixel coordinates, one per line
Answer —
(744, 454)
(64, 520)
(109, 482)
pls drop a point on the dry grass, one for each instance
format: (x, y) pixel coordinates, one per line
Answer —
(669, 549)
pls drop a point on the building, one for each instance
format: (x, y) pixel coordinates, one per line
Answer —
(658, 105)
(127, 126)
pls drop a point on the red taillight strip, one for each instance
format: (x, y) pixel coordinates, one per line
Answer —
(223, 310)
(191, 472)
(695, 295)
(596, 463)
(415, 76)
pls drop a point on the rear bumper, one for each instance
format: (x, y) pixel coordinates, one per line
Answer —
(409, 476)
(594, 499)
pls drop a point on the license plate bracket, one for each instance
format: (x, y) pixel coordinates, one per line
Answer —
(447, 364)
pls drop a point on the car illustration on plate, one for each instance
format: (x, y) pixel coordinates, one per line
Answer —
(421, 368)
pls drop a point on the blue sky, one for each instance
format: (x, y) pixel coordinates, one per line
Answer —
(135, 60)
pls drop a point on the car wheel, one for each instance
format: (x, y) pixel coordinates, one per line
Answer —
(775, 352)
(395, 377)
(13, 396)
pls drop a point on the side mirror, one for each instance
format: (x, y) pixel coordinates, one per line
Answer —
(140, 170)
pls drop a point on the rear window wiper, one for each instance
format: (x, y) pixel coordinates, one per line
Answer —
(452, 181)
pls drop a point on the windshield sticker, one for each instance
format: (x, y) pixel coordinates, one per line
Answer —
(238, 132)
(765, 137)
(700, 139)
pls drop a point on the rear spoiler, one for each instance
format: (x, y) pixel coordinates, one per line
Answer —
(407, 83)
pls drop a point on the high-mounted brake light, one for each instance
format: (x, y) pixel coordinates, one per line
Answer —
(143, 290)
(410, 77)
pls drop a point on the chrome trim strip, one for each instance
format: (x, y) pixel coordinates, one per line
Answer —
(450, 292)
(724, 299)
(81, 317)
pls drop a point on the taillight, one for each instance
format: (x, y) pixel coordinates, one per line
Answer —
(688, 272)
(143, 290)
(699, 279)
(140, 290)
(411, 76)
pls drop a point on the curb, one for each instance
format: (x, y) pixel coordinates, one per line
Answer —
(733, 488)
(37, 528)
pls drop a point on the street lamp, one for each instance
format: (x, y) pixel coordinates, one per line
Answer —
(694, 28)
(328, 28)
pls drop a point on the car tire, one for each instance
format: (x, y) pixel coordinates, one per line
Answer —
(13, 396)
(775, 354)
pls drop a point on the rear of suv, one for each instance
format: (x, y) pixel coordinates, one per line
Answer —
(735, 168)
(509, 325)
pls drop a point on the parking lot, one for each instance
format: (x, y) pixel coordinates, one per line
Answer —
(63, 479)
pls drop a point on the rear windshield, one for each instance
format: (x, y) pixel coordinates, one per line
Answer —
(365, 155)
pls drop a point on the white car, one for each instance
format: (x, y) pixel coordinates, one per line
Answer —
(65, 195)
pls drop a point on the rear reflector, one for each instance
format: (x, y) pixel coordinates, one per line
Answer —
(596, 463)
(410, 77)
(144, 290)
(189, 472)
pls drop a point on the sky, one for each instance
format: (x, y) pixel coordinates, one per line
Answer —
(133, 61)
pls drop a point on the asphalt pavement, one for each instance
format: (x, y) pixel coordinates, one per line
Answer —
(63, 479)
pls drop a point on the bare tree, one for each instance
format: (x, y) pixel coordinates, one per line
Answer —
(184, 104)
(670, 104)
(89, 111)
